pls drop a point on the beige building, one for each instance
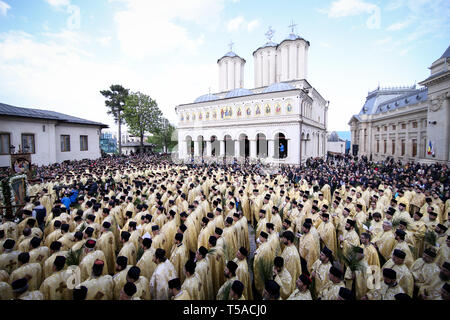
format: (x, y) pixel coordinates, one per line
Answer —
(407, 123)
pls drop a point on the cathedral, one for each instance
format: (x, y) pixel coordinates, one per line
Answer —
(283, 119)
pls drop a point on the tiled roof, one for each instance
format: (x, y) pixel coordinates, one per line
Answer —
(8, 110)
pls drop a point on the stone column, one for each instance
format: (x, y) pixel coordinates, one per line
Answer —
(236, 148)
(196, 148)
(252, 149)
(222, 148)
(271, 148)
(208, 148)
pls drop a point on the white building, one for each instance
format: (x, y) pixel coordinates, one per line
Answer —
(335, 144)
(49, 136)
(283, 119)
(407, 123)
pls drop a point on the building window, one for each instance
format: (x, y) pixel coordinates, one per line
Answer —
(83, 143)
(403, 147)
(378, 129)
(378, 146)
(403, 125)
(414, 147)
(414, 125)
(385, 143)
(65, 143)
(393, 147)
(385, 128)
(394, 127)
(4, 143)
(28, 143)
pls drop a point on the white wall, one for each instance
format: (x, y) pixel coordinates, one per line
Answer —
(75, 131)
(47, 141)
(336, 147)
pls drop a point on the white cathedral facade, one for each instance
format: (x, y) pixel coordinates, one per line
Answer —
(283, 119)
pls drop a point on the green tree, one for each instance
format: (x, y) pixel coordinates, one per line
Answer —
(115, 101)
(142, 115)
(165, 137)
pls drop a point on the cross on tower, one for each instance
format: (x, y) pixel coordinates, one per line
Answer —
(231, 45)
(292, 26)
(269, 33)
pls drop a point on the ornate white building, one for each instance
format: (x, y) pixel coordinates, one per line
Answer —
(283, 119)
(407, 123)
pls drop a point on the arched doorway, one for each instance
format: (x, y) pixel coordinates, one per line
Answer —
(244, 146)
(229, 146)
(280, 146)
(215, 146)
(189, 146)
(261, 145)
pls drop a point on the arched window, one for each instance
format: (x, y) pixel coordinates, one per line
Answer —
(229, 145)
(244, 146)
(281, 146)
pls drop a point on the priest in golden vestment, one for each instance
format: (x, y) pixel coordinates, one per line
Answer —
(91, 255)
(402, 245)
(331, 289)
(99, 285)
(216, 259)
(55, 286)
(262, 263)
(203, 270)
(120, 276)
(141, 283)
(107, 244)
(31, 271)
(359, 276)
(327, 233)
(245, 205)
(388, 289)
(190, 235)
(229, 237)
(386, 241)
(283, 278)
(128, 249)
(424, 269)
(241, 230)
(175, 292)
(38, 253)
(230, 276)
(404, 276)
(179, 256)
(21, 292)
(242, 272)
(302, 291)
(308, 248)
(192, 283)
(204, 234)
(433, 290)
(291, 256)
(320, 270)
(370, 252)
(164, 272)
(146, 263)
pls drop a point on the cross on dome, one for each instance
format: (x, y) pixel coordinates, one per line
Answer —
(231, 45)
(292, 26)
(269, 33)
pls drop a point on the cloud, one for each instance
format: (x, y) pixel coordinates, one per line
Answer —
(239, 23)
(383, 41)
(398, 26)
(104, 41)
(253, 25)
(58, 3)
(325, 44)
(153, 27)
(4, 7)
(234, 24)
(346, 8)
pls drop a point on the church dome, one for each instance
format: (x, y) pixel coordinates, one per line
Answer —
(206, 97)
(238, 93)
(231, 54)
(278, 86)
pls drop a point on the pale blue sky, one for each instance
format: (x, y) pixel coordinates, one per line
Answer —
(58, 54)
